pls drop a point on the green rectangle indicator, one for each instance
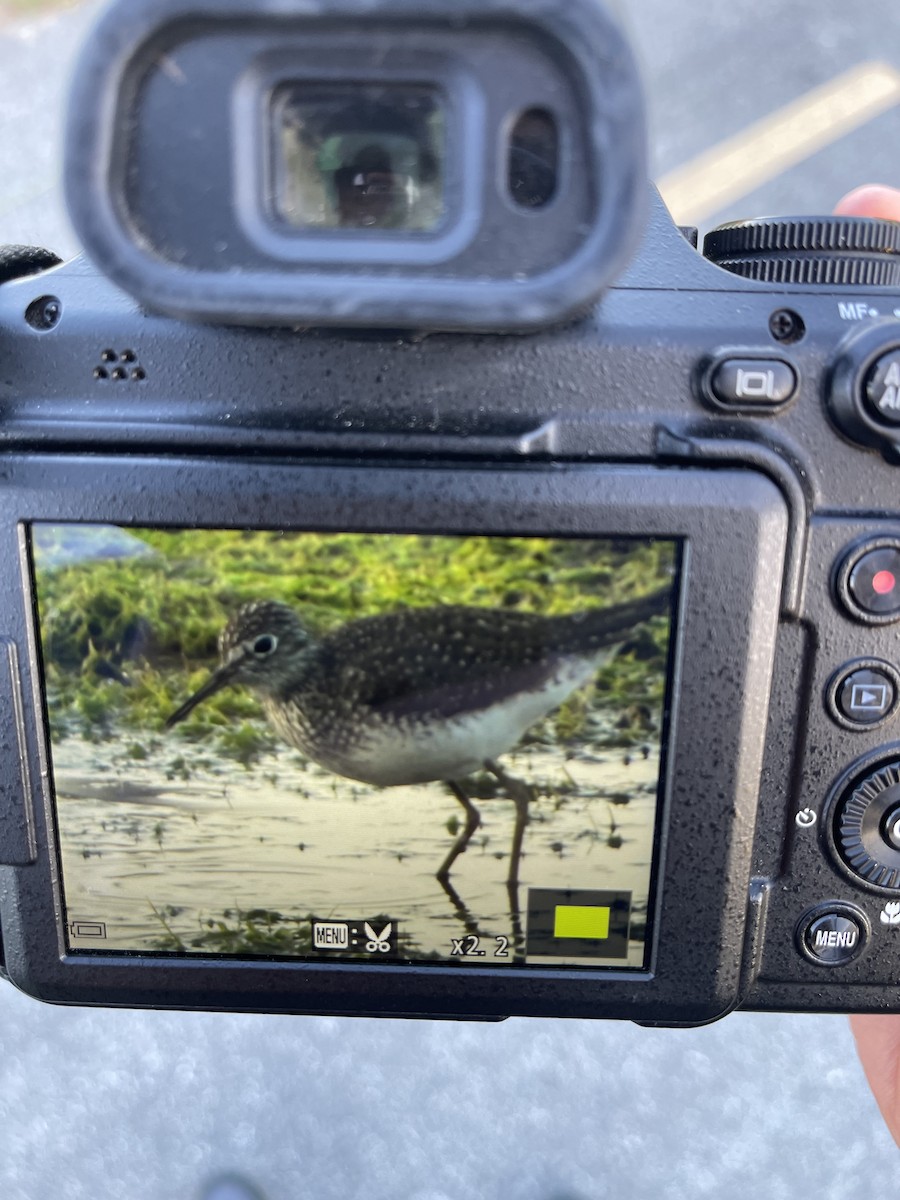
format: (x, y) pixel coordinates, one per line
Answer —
(581, 921)
(578, 923)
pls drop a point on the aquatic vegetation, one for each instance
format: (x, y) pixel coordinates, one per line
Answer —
(130, 619)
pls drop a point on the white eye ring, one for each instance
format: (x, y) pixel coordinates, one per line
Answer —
(264, 645)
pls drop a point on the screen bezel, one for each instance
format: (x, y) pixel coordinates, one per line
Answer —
(586, 880)
(733, 528)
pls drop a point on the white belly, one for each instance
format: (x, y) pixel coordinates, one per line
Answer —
(413, 752)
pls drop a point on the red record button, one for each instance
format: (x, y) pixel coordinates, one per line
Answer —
(884, 582)
(874, 582)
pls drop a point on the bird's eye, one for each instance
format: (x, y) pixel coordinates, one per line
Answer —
(264, 645)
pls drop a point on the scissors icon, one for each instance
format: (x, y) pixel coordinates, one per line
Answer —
(378, 941)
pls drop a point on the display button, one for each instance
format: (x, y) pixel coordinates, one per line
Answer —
(882, 389)
(832, 936)
(753, 383)
(874, 581)
(865, 697)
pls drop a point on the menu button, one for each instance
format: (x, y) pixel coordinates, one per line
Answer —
(832, 935)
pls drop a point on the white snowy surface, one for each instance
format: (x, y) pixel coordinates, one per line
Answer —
(143, 1106)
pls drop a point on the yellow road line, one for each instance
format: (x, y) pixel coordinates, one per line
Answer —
(764, 149)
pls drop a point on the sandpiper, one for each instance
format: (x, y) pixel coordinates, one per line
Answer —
(419, 694)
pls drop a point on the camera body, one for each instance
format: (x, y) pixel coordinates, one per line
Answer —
(714, 824)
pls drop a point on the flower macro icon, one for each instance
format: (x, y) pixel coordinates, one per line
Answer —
(890, 914)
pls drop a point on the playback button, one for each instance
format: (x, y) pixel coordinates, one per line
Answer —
(863, 694)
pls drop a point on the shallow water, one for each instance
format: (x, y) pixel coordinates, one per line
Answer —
(151, 856)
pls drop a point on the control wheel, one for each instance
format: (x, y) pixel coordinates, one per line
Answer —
(826, 251)
(867, 827)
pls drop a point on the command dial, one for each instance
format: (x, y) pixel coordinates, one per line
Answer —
(867, 827)
(828, 251)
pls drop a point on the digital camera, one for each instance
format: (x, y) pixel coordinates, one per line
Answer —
(431, 587)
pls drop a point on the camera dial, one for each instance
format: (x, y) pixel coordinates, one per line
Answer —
(828, 251)
(867, 827)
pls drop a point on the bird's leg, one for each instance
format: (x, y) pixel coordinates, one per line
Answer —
(473, 820)
(521, 795)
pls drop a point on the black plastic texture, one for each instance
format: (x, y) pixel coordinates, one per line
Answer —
(166, 160)
(828, 759)
(824, 251)
(735, 527)
(622, 387)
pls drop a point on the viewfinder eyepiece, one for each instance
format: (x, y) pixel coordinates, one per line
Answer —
(358, 156)
(435, 164)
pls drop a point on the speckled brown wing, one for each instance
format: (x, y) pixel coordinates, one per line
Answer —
(391, 664)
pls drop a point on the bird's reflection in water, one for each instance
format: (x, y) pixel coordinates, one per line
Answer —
(470, 922)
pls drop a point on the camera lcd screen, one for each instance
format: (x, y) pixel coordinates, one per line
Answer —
(359, 156)
(384, 748)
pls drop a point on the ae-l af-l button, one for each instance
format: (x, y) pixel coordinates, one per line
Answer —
(882, 388)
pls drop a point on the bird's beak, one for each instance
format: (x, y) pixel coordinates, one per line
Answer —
(219, 679)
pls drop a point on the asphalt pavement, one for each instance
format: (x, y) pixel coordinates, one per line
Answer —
(144, 1106)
